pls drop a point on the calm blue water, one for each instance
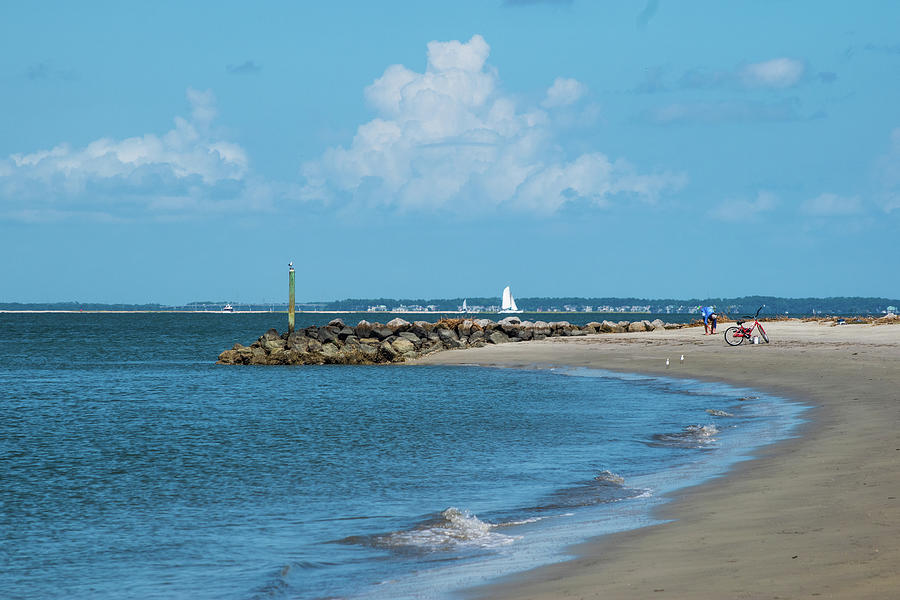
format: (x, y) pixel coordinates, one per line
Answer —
(133, 467)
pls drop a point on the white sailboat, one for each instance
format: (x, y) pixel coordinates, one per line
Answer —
(465, 307)
(508, 303)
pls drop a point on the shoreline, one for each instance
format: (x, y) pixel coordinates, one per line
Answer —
(816, 514)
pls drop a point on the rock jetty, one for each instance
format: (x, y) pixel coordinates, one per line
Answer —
(399, 340)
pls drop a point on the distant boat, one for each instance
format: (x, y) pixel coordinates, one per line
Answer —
(465, 307)
(508, 304)
(228, 308)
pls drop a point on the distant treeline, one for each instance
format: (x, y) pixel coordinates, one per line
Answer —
(745, 304)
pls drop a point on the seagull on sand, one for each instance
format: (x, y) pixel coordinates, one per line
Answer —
(682, 359)
(667, 363)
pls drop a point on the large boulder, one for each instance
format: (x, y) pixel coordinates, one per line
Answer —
(297, 341)
(421, 328)
(636, 326)
(270, 335)
(559, 327)
(510, 328)
(399, 324)
(497, 337)
(369, 352)
(402, 345)
(386, 352)
(524, 333)
(411, 337)
(339, 323)
(228, 357)
(541, 329)
(331, 353)
(363, 329)
(447, 334)
(345, 332)
(270, 345)
(486, 324)
(465, 328)
(382, 332)
(510, 321)
(328, 334)
(657, 324)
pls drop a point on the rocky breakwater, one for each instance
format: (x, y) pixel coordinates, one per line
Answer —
(399, 340)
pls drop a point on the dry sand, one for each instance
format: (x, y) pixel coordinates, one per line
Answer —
(815, 516)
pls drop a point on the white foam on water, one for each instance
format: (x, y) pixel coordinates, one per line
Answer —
(718, 413)
(455, 529)
(610, 477)
(701, 431)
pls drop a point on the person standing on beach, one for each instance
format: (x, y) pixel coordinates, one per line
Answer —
(709, 319)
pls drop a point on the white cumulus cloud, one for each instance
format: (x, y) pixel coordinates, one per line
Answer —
(449, 137)
(179, 165)
(564, 92)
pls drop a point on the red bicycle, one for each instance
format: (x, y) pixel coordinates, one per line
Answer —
(736, 335)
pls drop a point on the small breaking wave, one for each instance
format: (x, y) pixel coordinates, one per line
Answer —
(718, 413)
(605, 487)
(692, 436)
(452, 529)
(610, 477)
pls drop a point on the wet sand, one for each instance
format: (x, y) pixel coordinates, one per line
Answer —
(814, 516)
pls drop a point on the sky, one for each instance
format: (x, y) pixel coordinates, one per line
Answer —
(174, 152)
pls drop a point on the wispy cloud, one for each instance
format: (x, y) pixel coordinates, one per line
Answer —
(725, 110)
(883, 48)
(832, 205)
(448, 137)
(887, 170)
(248, 67)
(743, 210)
(774, 74)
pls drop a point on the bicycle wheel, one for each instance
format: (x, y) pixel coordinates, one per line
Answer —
(734, 336)
(763, 333)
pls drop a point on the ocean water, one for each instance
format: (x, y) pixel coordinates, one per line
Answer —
(131, 466)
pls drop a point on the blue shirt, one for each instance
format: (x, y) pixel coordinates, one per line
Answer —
(707, 311)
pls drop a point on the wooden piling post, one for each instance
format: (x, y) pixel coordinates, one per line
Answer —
(291, 299)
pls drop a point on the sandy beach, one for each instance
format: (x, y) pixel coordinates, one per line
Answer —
(814, 516)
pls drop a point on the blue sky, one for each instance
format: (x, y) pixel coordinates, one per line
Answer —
(169, 152)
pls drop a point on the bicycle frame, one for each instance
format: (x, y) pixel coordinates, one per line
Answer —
(747, 332)
(736, 335)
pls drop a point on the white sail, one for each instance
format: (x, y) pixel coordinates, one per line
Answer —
(508, 303)
(465, 307)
